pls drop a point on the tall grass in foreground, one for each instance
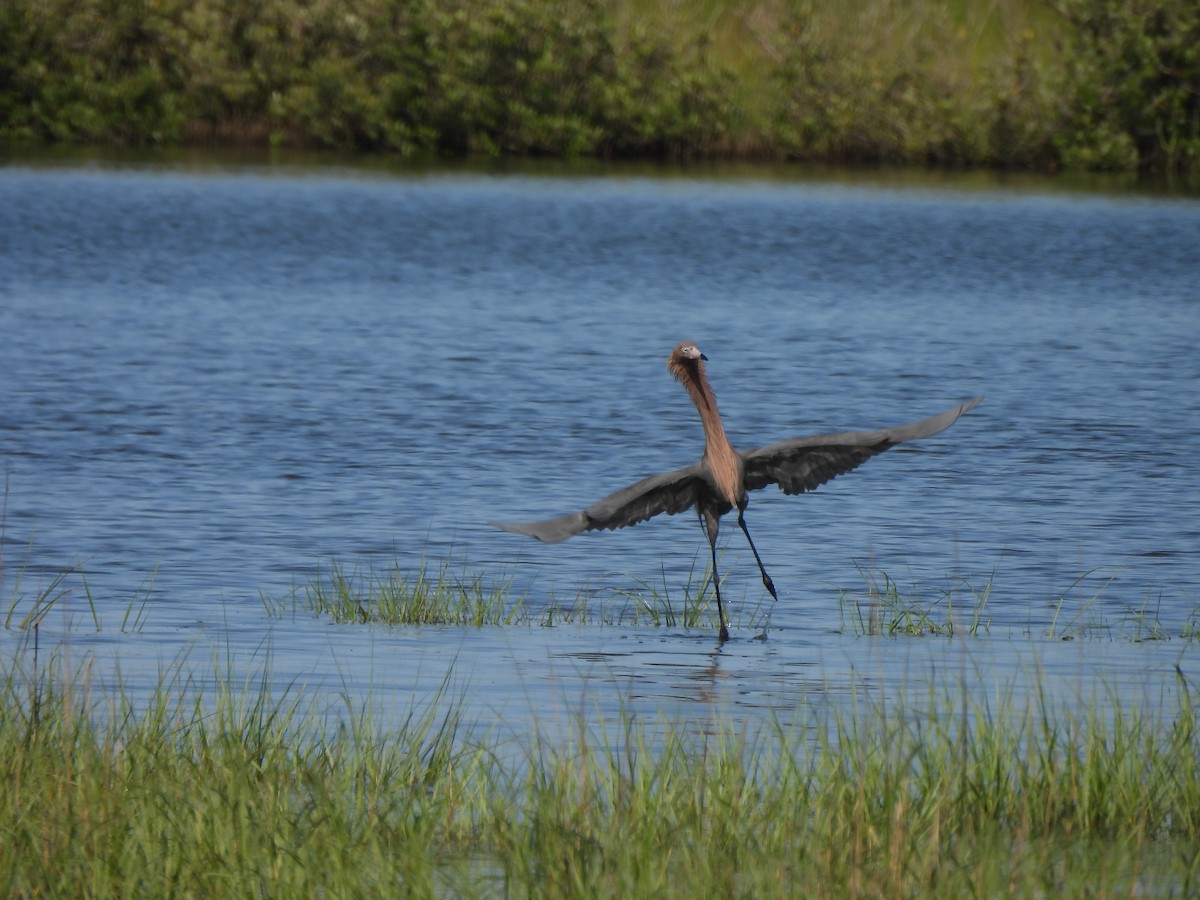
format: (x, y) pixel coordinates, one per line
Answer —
(241, 793)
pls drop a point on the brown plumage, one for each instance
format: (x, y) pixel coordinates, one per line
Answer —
(719, 482)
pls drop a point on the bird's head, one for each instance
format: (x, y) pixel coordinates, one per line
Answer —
(684, 360)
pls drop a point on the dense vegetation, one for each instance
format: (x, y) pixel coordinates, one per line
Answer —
(210, 783)
(1031, 83)
(212, 787)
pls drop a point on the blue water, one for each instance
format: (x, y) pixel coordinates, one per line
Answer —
(218, 383)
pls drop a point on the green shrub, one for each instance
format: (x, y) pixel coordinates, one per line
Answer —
(1133, 90)
(500, 77)
(1082, 84)
(877, 90)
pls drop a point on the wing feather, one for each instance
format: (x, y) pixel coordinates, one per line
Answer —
(667, 492)
(805, 463)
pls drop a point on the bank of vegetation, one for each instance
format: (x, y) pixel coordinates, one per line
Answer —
(211, 782)
(212, 785)
(1047, 84)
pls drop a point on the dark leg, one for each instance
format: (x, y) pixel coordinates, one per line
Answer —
(710, 525)
(767, 582)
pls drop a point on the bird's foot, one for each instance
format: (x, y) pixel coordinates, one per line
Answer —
(770, 586)
(723, 634)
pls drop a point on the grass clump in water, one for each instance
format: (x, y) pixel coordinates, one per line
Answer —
(885, 611)
(462, 598)
(963, 610)
(424, 599)
(642, 603)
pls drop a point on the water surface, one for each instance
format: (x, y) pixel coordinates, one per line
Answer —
(220, 382)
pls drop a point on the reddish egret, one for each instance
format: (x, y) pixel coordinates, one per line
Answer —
(722, 478)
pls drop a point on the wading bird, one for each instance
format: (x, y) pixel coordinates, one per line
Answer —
(722, 478)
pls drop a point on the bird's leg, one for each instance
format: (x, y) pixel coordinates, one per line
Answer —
(710, 524)
(767, 582)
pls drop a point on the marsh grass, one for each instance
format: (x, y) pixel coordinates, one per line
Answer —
(885, 609)
(231, 790)
(453, 595)
(29, 615)
(26, 609)
(444, 597)
(643, 602)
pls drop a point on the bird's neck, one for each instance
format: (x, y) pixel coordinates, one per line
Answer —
(722, 459)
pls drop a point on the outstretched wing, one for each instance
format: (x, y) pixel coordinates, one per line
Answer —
(667, 492)
(805, 463)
